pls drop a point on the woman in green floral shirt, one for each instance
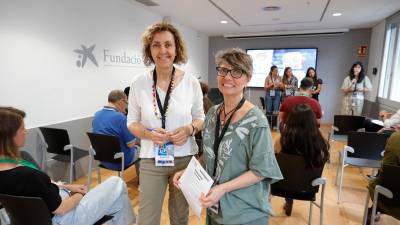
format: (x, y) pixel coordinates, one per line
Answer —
(238, 133)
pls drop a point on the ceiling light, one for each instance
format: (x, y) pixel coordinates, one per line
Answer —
(337, 14)
(271, 8)
(224, 21)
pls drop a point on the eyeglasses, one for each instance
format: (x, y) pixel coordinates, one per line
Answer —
(235, 73)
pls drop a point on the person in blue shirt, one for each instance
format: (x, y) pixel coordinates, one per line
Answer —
(111, 120)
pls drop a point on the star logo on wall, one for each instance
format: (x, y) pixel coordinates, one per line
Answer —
(84, 54)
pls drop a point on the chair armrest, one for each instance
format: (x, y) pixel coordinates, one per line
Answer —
(92, 151)
(370, 177)
(348, 149)
(335, 128)
(118, 155)
(68, 147)
(384, 191)
(318, 181)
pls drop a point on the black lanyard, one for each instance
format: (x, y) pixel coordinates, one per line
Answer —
(163, 109)
(218, 137)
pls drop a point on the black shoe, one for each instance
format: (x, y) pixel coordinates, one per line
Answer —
(288, 207)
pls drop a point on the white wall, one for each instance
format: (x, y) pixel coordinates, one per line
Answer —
(375, 58)
(39, 71)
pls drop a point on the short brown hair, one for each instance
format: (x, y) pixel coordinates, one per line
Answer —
(237, 58)
(147, 38)
(116, 95)
(11, 120)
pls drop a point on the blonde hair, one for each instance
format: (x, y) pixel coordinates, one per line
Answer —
(147, 38)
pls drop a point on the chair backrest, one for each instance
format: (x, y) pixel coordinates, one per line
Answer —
(105, 147)
(346, 123)
(366, 145)
(262, 100)
(26, 210)
(388, 179)
(297, 178)
(55, 139)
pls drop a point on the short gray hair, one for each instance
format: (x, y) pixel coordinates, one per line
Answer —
(116, 95)
(237, 58)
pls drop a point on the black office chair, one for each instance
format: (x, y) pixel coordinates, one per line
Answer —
(215, 96)
(389, 187)
(262, 100)
(31, 211)
(299, 182)
(57, 142)
(364, 150)
(342, 124)
(105, 148)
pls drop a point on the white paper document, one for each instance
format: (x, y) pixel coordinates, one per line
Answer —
(194, 181)
(377, 122)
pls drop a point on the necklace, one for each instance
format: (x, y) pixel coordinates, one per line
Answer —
(225, 114)
(154, 94)
(230, 113)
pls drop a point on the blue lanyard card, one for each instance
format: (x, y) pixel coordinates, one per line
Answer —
(164, 154)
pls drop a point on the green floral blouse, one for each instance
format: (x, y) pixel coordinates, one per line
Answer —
(246, 145)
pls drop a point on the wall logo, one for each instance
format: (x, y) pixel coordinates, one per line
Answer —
(84, 54)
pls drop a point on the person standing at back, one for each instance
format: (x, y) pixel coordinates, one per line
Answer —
(354, 87)
(111, 120)
(273, 86)
(317, 85)
(165, 112)
(290, 82)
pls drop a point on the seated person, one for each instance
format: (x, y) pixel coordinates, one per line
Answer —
(303, 96)
(111, 120)
(302, 137)
(67, 203)
(391, 122)
(391, 157)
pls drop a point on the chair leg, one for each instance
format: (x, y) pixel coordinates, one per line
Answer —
(310, 214)
(340, 184)
(71, 171)
(366, 210)
(338, 167)
(89, 172)
(321, 206)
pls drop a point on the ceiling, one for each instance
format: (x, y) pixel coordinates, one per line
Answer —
(248, 17)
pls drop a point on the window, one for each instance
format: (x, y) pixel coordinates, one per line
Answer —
(389, 86)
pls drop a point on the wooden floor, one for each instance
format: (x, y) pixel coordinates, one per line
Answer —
(349, 212)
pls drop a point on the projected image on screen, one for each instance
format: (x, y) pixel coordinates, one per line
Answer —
(297, 58)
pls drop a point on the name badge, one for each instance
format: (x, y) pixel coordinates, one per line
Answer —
(272, 93)
(357, 95)
(164, 154)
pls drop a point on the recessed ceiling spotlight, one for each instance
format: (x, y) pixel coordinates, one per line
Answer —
(337, 14)
(224, 21)
(271, 8)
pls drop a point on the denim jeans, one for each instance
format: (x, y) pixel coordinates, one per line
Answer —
(107, 198)
(272, 103)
